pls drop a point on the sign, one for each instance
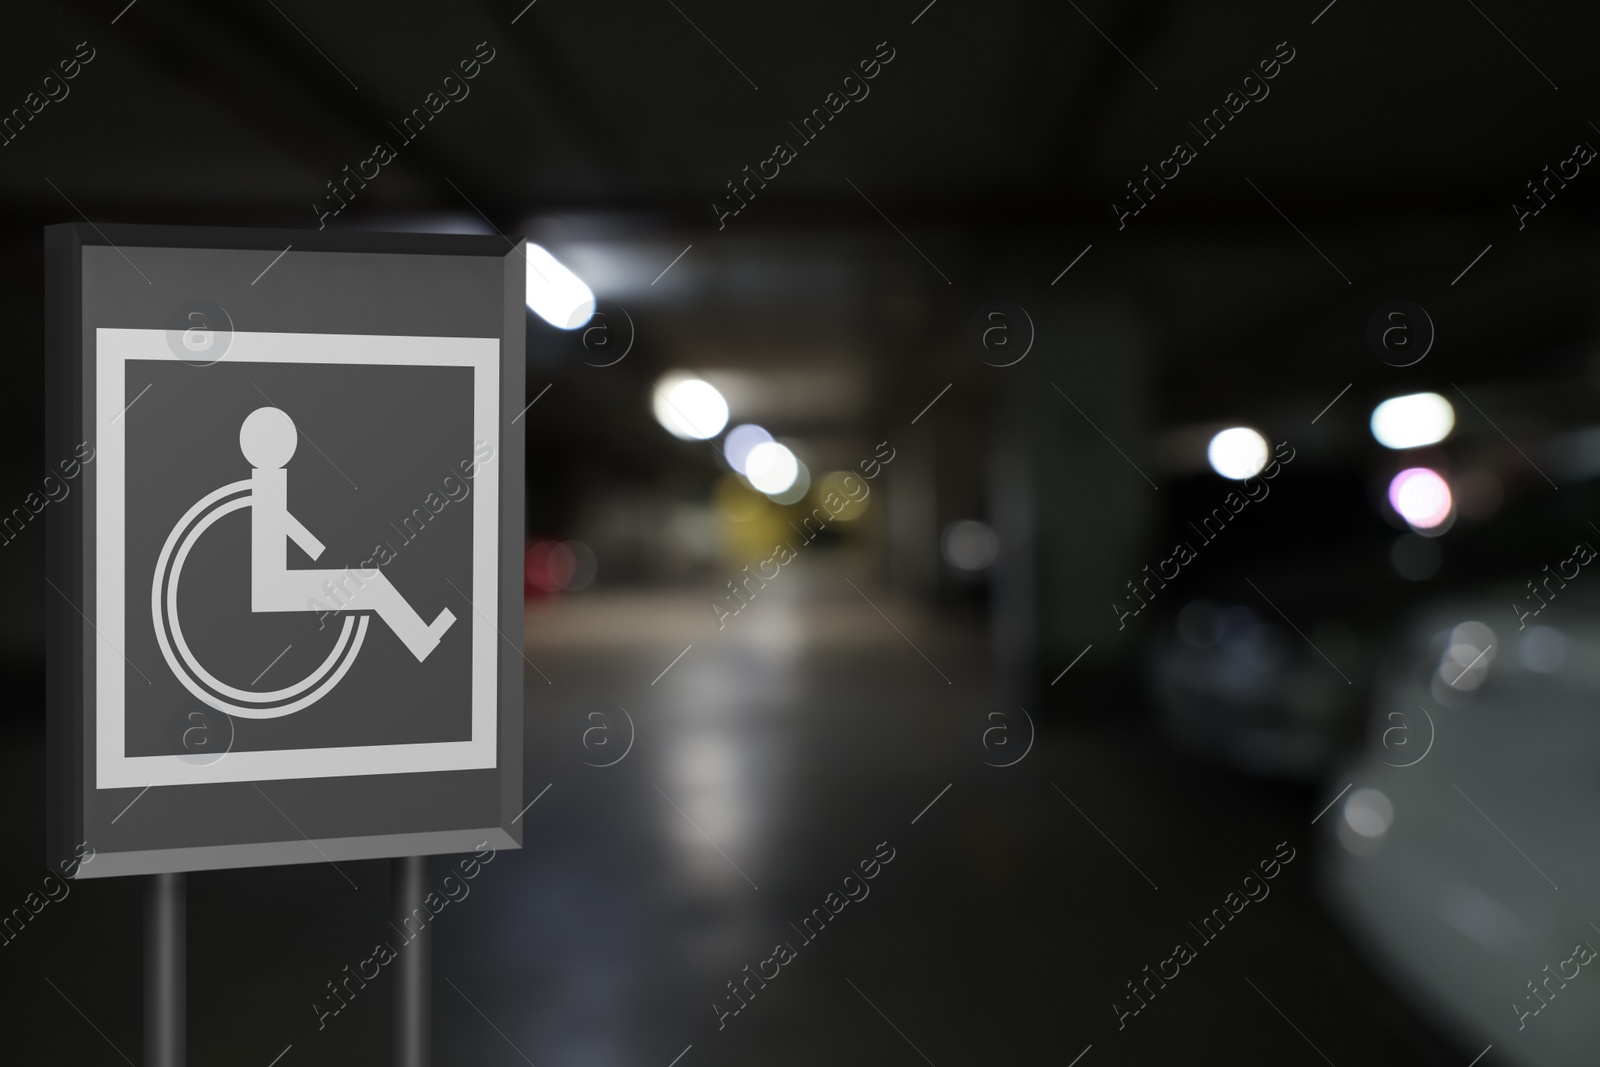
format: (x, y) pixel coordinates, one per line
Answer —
(285, 611)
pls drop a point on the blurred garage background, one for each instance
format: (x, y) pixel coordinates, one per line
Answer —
(1029, 348)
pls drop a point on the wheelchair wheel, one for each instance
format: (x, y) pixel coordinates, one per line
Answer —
(200, 682)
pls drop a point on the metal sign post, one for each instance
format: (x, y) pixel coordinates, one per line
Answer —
(413, 976)
(165, 978)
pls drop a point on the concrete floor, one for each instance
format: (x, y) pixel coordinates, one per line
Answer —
(766, 763)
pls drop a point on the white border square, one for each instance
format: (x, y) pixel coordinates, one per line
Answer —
(114, 769)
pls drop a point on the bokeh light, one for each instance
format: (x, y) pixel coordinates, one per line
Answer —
(1421, 497)
(554, 293)
(1369, 813)
(1238, 453)
(740, 440)
(738, 501)
(689, 408)
(1544, 649)
(771, 467)
(1467, 655)
(840, 482)
(551, 566)
(1414, 557)
(970, 545)
(1413, 421)
(796, 492)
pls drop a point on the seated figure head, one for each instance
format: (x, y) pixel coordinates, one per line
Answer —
(268, 438)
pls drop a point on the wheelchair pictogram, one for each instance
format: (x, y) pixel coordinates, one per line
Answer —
(268, 440)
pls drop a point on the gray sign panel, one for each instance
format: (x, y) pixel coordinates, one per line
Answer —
(286, 608)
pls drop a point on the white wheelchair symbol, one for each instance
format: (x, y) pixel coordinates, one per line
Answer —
(268, 439)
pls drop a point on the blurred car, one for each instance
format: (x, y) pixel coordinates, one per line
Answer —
(1235, 686)
(1460, 848)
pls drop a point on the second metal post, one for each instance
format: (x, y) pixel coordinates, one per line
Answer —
(413, 967)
